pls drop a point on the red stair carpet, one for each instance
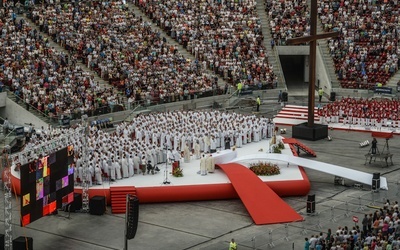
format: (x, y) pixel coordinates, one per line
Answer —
(118, 198)
(299, 145)
(262, 203)
(296, 112)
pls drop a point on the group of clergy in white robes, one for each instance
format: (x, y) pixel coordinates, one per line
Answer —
(155, 137)
(207, 164)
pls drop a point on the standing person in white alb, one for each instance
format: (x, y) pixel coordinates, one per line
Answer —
(98, 178)
(197, 149)
(203, 168)
(186, 153)
(125, 170)
(213, 144)
(131, 170)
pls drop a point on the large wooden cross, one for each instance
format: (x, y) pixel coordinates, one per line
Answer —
(312, 39)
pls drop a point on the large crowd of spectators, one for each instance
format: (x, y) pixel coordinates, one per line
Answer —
(379, 230)
(224, 36)
(122, 48)
(365, 54)
(43, 77)
(288, 19)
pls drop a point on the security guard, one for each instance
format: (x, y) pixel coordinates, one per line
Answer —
(258, 101)
(320, 94)
(239, 88)
(232, 245)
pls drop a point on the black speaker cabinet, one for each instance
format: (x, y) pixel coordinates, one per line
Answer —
(376, 176)
(133, 217)
(97, 205)
(332, 98)
(310, 207)
(77, 203)
(23, 243)
(311, 197)
(1, 241)
(376, 184)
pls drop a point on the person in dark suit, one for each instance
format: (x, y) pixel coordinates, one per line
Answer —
(374, 145)
(227, 142)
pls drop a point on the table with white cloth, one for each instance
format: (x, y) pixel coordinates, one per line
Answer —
(224, 156)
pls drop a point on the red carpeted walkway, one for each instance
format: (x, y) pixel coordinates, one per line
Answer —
(262, 203)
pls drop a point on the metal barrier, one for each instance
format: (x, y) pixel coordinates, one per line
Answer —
(281, 233)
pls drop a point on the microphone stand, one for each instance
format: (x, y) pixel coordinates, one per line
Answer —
(166, 180)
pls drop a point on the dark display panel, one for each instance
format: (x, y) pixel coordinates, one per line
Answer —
(47, 184)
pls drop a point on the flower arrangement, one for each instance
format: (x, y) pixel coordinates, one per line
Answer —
(177, 172)
(265, 168)
(281, 145)
(277, 150)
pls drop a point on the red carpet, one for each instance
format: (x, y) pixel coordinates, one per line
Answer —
(262, 203)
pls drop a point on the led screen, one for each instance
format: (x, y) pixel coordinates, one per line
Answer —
(47, 184)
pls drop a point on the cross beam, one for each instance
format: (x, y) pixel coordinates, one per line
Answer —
(312, 39)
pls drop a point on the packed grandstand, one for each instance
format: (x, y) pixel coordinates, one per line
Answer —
(134, 57)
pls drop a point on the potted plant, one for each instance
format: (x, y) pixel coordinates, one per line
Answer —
(177, 172)
(277, 150)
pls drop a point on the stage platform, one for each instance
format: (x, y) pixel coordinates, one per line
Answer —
(231, 179)
(293, 115)
(292, 181)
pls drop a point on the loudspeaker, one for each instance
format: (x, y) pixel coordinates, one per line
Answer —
(311, 203)
(23, 243)
(1, 241)
(133, 217)
(97, 205)
(77, 203)
(376, 176)
(376, 184)
(332, 97)
(310, 207)
(284, 96)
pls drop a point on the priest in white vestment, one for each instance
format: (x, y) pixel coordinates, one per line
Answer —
(210, 164)
(125, 170)
(186, 153)
(98, 178)
(117, 170)
(197, 152)
(131, 170)
(203, 168)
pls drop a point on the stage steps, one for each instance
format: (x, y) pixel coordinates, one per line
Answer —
(118, 198)
(298, 145)
(293, 149)
(296, 112)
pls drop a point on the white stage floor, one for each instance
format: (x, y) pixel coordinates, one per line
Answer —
(190, 176)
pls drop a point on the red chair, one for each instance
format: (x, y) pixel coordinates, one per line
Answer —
(105, 176)
(175, 165)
